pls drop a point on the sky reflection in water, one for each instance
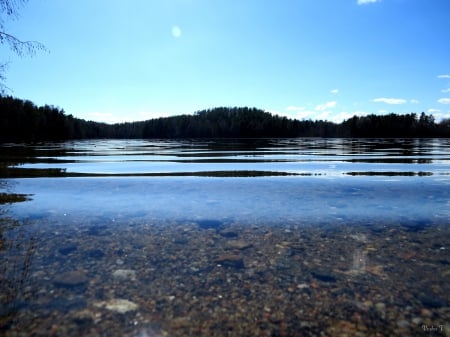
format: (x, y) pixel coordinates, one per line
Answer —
(327, 180)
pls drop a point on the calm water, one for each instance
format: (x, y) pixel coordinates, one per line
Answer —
(291, 237)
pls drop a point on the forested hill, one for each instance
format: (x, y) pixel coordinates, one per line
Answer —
(22, 121)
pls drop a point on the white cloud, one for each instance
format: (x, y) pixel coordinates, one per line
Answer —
(334, 91)
(433, 111)
(439, 116)
(302, 113)
(389, 100)
(364, 2)
(445, 90)
(340, 117)
(327, 105)
(444, 76)
(414, 101)
(297, 112)
(444, 100)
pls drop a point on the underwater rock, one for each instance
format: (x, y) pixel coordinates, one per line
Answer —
(70, 279)
(238, 244)
(207, 224)
(118, 305)
(94, 254)
(67, 249)
(231, 260)
(228, 233)
(431, 301)
(124, 274)
(324, 277)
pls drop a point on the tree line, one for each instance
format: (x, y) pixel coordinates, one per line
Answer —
(23, 121)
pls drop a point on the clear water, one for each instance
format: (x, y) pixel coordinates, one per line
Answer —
(290, 237)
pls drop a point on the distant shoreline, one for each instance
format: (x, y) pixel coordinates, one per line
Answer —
(22, 121)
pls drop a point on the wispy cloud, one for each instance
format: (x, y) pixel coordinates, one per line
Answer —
(325, 106)
(414, 101)
(390, 100)
(444, 76)
(439, 115)
(445, 90)
(297, 112)
(365, 2)
(334, 91)
(317, 114)
(444, 100)
(339, 117)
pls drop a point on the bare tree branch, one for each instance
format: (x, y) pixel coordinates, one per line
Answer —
(10, 9)
(20, 47)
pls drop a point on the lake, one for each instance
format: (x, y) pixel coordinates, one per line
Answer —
(225, 237)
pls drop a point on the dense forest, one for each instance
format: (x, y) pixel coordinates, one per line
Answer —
(23, 121)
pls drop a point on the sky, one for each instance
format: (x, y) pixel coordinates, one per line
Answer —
(129, 60)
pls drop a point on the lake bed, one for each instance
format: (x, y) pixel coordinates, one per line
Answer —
(265, 237)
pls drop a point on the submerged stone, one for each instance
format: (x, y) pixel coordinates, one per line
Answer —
(324, 277)
(99, 230)
(118, 305)
(95, 254)
(70, 279)
(67, 249)
(432, 301)
(228, 233)
(238, 244)
(124, 274)
(207, 223)
(231, 260)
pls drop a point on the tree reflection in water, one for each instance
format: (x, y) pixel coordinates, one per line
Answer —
(17, 248)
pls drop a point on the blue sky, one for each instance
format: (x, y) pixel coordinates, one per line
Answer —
(125, 60)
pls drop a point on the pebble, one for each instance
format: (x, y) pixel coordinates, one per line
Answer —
(417, 320)
(124, 274)
(324, 277)
(237, 244)
(426, 313)
(119, 305)
(368, 304)
(207, 224)
(70, 279)
(380, 306)
(66, 250)
(228, 233)
(403, 324)
(231, 260)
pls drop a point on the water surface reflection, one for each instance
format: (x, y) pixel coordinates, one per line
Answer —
(222, 157)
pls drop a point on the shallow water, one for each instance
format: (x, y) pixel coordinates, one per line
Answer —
(291, 237)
